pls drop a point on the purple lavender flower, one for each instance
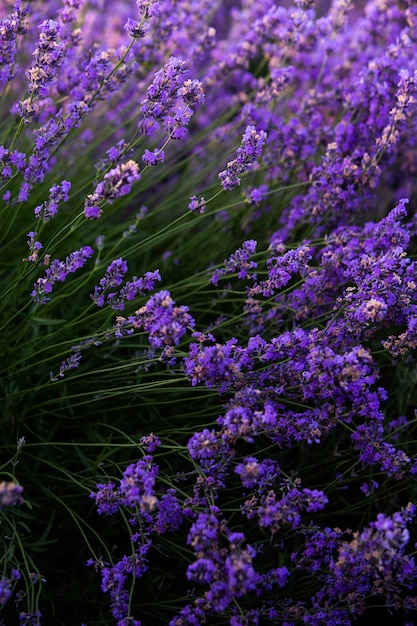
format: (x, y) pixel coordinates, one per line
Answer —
(58, 271)
(116, 183)
(151, 442)
(10, 28)
(197, 204)
(219, 365)
(69, 364)
(281, 269)
(164, 322)
(11, 160)
(30, 619)
(113, 580)
(241, 576)
(49, 208)
(274, 512)
(148, 8)
(257, 474)
(154, 157)
(58, 127)
(238, 262)
(137, 485)
(168, 102)
(10, 494)
(205, 445)
(48, 56)
(250, 150)
(108, 288)
(161, 95)
(34, 247)
(372, 559)
(112, 279)
(107, 498)
(203, 536)
(201, 571)
(169, 516)
(136, 29)
(5, 590)
(191, 92)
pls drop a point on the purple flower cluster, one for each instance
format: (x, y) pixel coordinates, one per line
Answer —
(10, 29)
(115, 184)
(11, 161)
(219, 365)
(69, 364)
(48, 209)
(163, 320)
(153, 514)
(34, 247)
(292, 414)
(48, 57)
(226, 565)
(58, 272)
(6, 586)
(371, 564)
(249, 151)
(274, 512)
(107, 290)
(161, 103)
(228, 569)
(238, 262)
(10, 494)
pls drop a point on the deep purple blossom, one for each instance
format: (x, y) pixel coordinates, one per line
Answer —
(58, 272)
(69, 364)
(154, 157)
(58, 127)
(148, 8)
(169, 516)
(5, 590)
(163, 320)
(197, 204)
(249, 151)
(115, 184)
(57, 194)
(135, 29)
(204, 534)
(138, 483)
(240, 262)
(168, 103)
(10, 494)
(151, 442)
(281, 270)
(11, 161)
(201, 571)
(161, 95)
(10, 29)
(48, 56)
(107, 498)
(257, 474)
(240, 574)
(274, 512)
(34, 247)
(206, 444)
(111, 280)
(220, 365)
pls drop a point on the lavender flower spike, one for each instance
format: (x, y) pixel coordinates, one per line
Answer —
(10, 494)
(116, 183)
(249, 151)
(57, 193)
(58, 271)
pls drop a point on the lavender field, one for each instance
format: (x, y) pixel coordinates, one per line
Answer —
(208, 293)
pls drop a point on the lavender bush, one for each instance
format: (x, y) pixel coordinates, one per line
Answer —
(208, 312)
